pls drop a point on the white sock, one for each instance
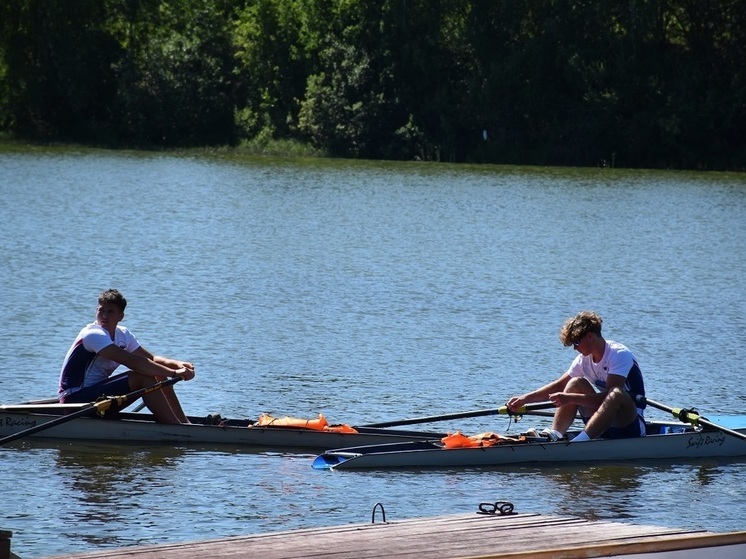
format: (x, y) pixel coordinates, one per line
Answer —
(582, 436)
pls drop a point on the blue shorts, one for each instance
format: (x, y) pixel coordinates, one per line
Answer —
(115, 385)
(634, 429)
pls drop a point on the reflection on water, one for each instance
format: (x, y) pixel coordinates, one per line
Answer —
(102, 469)
(599, 491)
(707, 474)
(102, 482)
(104, 486)
(621, 491)
(116, 496)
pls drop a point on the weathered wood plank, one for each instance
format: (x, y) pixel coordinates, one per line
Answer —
(518, 536)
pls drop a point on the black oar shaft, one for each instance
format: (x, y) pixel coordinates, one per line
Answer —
(690, 416)
(433, 418)
(98, 407)
(503, 410)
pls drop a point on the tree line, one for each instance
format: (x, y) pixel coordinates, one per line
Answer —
(633, 83)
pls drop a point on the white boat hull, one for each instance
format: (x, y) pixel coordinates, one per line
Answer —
(416, 455)
(140, 428)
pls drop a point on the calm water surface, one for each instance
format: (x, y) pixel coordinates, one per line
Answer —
(367, 292)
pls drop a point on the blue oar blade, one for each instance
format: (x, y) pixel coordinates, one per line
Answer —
(327, 461)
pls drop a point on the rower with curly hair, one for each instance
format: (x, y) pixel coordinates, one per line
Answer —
(601, 384)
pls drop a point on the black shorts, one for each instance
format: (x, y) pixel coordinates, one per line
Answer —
(634, 429)
(115, 385)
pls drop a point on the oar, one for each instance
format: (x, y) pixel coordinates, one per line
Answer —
(502, 410)
(99, 406)
(690, 416)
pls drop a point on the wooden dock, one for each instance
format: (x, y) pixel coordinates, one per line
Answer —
(475, 535)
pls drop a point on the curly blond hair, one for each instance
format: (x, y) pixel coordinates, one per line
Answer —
(579, 325)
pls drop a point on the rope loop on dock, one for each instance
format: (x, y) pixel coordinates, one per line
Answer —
(373, 516)
(502, 508)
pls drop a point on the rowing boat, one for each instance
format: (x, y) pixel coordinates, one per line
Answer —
(665, 440)
(127, 427)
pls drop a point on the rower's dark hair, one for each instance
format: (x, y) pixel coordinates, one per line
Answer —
(113, 296)
(579, 325)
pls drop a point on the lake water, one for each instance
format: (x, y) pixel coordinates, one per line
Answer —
(367, 292)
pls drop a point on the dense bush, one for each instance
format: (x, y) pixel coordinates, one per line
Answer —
(640, 83)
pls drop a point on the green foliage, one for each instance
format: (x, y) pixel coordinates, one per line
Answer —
(57, 81)
(265, 144)
(175, 83)
(341, 102)
(271, 65)
(646, 83)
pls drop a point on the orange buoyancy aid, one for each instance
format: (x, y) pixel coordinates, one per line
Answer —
(459, 440)
(319, 424)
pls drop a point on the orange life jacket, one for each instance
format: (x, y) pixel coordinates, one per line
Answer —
(459, 440)
(320, 424)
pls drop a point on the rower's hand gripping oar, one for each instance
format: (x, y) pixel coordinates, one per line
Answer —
(689, 416)
(100, 407)
(502, 410)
